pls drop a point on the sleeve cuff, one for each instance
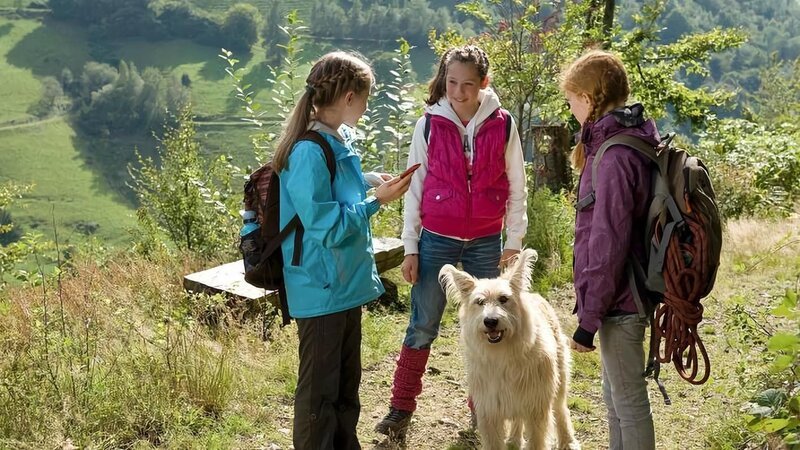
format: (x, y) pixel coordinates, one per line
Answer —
(411, 247)
(583, 337)
(513, 243)
(373, 205)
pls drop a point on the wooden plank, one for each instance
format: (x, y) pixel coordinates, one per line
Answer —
(229, 278)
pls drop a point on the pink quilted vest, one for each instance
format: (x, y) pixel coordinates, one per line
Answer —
(454, 204)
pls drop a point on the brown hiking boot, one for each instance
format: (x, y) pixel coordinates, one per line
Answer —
(395, 424)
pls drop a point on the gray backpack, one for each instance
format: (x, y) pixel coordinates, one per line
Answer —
(683, 245)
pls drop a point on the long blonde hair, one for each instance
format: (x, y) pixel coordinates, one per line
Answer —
(333, 75)
(437, 87)
(602, 77)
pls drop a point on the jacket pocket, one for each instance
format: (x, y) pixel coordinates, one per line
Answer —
(315, 269)
(437, 201)
(490, 204)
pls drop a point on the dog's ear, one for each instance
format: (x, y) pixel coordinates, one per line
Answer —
(519, 272)
(457, 284)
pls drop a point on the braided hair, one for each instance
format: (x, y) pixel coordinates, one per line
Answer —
(331, 77)
(602, 77)
(437, 87)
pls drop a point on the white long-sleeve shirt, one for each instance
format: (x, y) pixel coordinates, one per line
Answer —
(516, 217)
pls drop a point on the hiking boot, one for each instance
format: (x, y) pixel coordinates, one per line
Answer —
(395, 424)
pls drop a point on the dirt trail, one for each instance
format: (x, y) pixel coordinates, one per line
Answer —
(442, 418)
(31, 123)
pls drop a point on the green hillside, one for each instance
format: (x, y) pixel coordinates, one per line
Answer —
(30, 49)
(35, 47)
(67, 185)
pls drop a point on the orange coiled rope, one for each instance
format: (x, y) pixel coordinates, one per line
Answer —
(675, 322)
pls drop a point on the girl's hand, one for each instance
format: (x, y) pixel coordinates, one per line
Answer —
(579, 348)
(409, 267)
(392, 190)
(506, 257)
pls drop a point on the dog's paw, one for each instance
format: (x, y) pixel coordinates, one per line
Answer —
(571, 446)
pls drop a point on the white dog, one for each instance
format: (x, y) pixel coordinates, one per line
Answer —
(517, 360)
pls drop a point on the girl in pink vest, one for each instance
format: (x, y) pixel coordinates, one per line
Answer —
(470, 183)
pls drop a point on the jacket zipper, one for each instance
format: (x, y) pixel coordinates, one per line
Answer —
(468, 164)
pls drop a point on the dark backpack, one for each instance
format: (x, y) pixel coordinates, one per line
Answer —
(683, 243)
(506, 115)
(261, 249)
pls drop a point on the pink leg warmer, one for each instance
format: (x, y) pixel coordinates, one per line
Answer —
(408, 378)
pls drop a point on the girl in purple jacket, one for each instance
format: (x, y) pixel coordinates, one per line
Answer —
(608, 231)
(471, 183)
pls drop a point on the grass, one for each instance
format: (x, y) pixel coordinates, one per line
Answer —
(20, 90)
(66, 185)
(132, 363)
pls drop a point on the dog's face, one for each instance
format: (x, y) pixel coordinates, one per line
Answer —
(489, 309)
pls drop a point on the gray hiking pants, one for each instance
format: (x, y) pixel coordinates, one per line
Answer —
(622, 353)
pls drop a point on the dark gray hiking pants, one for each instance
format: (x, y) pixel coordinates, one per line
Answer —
(326, 404)
(630, 420)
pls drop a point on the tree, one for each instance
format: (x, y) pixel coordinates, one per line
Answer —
(187, 198)
(94, 77)
(656, 69)
(240, 27)
(51, 93)
(528, 44)
(777, 102)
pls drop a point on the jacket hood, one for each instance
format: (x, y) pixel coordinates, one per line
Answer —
(628, 120)
(489, 102)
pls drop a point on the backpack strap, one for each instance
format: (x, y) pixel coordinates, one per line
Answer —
(294, 223)
(505, 114)
(629, 141)
(427, 131)
(330, 158)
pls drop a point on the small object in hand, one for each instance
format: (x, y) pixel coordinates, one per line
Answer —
(410, 170)
(374, 179)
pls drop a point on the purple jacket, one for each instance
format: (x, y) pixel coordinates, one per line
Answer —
(613, 227)
(455, 203)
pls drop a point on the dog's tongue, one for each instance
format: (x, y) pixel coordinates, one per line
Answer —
(494, 334)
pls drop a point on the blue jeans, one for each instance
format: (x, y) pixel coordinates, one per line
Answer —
(479, 257)
(630, 420)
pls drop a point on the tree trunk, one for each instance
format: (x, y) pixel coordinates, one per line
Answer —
(608, 23)
(550, 157)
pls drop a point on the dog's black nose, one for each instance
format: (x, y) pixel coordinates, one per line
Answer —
(490, 323)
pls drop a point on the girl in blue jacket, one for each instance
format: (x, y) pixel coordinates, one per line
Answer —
(336, 274)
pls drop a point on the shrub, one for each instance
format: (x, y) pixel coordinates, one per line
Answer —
(187, 198)
(551, 232)
(755, 170)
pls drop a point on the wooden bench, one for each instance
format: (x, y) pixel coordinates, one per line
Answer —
(229, 278)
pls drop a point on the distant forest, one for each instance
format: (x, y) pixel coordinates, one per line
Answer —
(772, 27)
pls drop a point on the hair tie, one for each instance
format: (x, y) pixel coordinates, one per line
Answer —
(310, 90)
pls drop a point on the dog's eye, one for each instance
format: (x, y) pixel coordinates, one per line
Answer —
(502, 299)
(480, 301)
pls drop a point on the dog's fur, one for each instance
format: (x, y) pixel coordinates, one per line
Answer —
(517, 359)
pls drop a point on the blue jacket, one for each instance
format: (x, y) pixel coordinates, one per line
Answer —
(337, 266)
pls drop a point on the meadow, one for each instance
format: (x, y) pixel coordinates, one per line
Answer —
(79, 179)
